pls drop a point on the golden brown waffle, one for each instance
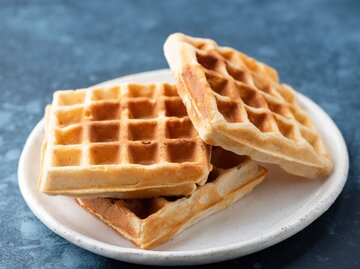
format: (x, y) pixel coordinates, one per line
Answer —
(150, 222)
(238, 103)
(126, 141)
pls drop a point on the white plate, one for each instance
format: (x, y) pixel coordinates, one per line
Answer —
(278, 208)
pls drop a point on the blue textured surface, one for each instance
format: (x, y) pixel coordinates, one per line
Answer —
(46, 45)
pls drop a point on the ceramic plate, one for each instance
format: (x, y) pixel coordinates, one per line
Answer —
(277, 209)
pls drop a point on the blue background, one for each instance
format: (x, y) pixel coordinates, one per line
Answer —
(45, 46)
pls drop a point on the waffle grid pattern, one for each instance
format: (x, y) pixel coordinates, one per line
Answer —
(130, 124)
(238, 103)
(248, 92)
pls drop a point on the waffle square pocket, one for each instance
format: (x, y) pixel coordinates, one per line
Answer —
(124, 141)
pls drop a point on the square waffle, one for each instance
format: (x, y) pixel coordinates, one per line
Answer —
(238, 103)
(150, 222)
(125, 141)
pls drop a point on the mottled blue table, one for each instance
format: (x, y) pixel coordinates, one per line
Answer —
(46, 45)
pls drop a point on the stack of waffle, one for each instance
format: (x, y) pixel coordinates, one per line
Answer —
(151, 159)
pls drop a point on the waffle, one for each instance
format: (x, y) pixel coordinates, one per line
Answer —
(238, 103)
(125, 141)
(150, 222)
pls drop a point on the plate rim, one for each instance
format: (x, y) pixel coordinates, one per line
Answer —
(207, 255)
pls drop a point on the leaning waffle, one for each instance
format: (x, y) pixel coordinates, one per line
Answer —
(237, 103)
(126, 141)
(150, 222)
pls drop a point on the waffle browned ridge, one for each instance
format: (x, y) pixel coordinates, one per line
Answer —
(134, 136)
(241, 100)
